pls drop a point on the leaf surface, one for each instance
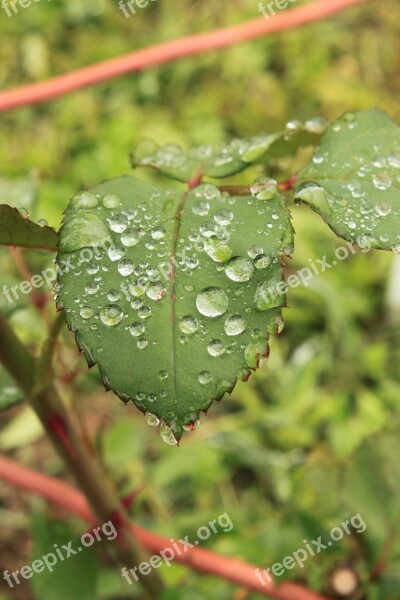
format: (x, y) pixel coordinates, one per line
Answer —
(353, 181)
(173, 294)
(16, 230)
(226, 159)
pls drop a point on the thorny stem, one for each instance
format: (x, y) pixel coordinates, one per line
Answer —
(199, 559)
(40, 389)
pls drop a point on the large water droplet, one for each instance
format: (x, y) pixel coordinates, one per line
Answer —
(239, 269)
(152, 420)
(383, 209)
(111, 315)
(212, 302)
(382, 181)
(118, 223)
(156, 290)
(125, 267)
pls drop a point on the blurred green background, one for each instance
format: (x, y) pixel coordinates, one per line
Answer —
(312, 438)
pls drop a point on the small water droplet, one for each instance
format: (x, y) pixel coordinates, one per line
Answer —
(111, 201)
(383, 209)
(137, 329)
(167, 436)
(125, 267)
(204, 377)
(152, 420)
(86, 312)
(264, 188)
(216, 348)
(382, 181)
(130, 237)
(92, 287)
(188, 324)
(84, 200)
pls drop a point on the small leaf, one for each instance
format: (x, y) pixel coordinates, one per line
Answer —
(75, 575)
(353, 181)
(226, 159)
(179, 300)
(16, 230)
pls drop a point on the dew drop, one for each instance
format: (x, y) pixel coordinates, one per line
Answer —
(142, 343)
(84, 200)
(382, 181)
(158, 233)
(223, 217)
(118, 223)
(152, 420)
(111, 315)
(125, 267)
(144, 312)
(111, 201)
(264, 188)
(216, 348)
(167, 436)
(234, 325)
(92, 288)
(188, 324)
(204, 377)
(383, 209)
(137, 329)
(239, 269)
(130, 237)
(212, 302)
(86, 312)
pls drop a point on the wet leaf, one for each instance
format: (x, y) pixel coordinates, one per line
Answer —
(226, 159)
(353, 181)
(177, 300)
(17, 230)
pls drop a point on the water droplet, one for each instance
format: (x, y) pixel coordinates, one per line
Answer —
(113, 295)
(316, 124)
(158, 233)
(115, 253)
(86, 312)
(156, 290)
(167, 436)
(239, 269)
(212, 302)
(42, 223)
(394, 160)
(130, 237)
(85, 200)
(234, 325)
(262, 261)
(254, 251)
(92, 287)
(204, 377)
(264, 188)
(383, 209)
(125, 267)
(144, 312)
(24, 213)
(192, 425)
(118, 223)
(188, 324)
(382, 181)
(201, 208)
(111, 315)
(163, 375)
(217, 250)
(142, 343)
(111, 201)
(92, 269)
(152, 420)
(137, 329)
(223, 217)
(216, 348)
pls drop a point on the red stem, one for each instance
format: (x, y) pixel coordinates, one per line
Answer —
(169, 51)
(198, 559)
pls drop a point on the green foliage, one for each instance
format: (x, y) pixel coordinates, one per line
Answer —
(353, 181)
(17, 230)
(181, 300)
(10, 394)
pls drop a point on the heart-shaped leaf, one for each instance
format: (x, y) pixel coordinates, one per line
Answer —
(173, 294)
(17, 230)
(226, 159)
(353, 181)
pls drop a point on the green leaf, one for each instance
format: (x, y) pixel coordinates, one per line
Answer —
(178, 299)
(371, 486)
(10, 394)
(353, 181)
(21, 193)
(75, 576)
(16, 230)
(226, 159)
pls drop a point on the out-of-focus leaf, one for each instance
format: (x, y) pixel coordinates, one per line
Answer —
(16, 230)
(10, 394)
(353, 181)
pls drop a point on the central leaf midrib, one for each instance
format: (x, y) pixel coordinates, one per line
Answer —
(178, 215)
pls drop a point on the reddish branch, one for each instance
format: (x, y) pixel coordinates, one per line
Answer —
(199, 559)
(169, 51)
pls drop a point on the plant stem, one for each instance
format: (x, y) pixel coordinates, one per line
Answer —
(205, 561)
(84, 465)
(169, 51)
